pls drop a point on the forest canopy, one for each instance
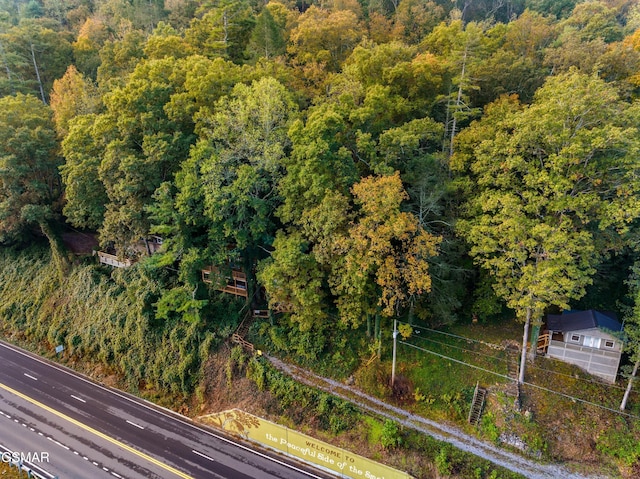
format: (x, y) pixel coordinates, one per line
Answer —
(358, 160)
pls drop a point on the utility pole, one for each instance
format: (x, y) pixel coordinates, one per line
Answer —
(393, 364)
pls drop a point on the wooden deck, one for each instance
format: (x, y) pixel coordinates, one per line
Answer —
(113, 260)
(235, 284)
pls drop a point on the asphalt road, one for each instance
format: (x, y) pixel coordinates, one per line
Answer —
(90, 431)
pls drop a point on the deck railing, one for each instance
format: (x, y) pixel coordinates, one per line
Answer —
(113, 260)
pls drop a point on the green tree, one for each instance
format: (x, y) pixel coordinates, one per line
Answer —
(30, 187)
(146, 145)
(246, 141)
(118, 58)
(35, 54)
(544, 181)
(414, 19)
(140, 14)
(325, 37)
(268, 36)
(295, 282)
(462, 47)
(319, 163)
(594, 19)
(91, 38)
(632, 332)
(224, 30)
(165, 42)
(83, 150)
(414, 80)
(558, 8)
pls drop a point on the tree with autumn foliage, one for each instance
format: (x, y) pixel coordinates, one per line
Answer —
(385, 253)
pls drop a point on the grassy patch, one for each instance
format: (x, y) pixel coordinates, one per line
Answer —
(374, 430)
(442, 385)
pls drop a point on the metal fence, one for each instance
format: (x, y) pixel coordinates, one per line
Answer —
(31, 470)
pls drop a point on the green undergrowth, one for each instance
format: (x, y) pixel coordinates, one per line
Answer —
(108, 317)
(104, 316)
(340, 422)
(436, 375)
(335, 353)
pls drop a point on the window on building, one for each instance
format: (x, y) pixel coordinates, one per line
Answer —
(575, 338)
(609, 344)
(591, 342)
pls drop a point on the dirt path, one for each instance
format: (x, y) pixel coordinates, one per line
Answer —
(442, 432)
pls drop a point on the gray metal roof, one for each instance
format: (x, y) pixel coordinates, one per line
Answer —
(577, 320)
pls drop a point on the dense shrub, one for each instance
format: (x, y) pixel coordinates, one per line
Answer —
(109, 317)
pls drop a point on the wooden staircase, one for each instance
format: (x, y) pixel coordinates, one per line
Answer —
(477, 405)
(239, 336)
(543, 343)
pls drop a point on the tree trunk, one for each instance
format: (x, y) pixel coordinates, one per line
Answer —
(625, 398)
(377, 333)
(535, 334)
(525, 341)
(35, 65)
(454, 125)
(58, 251)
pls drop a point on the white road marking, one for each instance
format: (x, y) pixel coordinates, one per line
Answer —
(61, 445)
(152, 407)
(136, 425)
(77, 398)
(203, 455)
(30, 376)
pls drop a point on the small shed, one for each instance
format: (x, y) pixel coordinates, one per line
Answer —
(589, 339)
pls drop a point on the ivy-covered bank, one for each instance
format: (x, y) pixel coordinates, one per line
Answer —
(111, 317)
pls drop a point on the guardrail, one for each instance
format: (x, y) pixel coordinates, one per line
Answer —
(32, 470)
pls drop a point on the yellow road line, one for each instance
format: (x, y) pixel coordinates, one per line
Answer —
(97, 433)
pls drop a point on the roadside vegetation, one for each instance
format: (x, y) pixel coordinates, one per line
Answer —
(354, 163)
(51, 313)
(109, 317)
(7, 472)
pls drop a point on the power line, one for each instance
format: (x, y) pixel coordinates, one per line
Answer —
(495, 346)
(462, 349)
(456, 360)
(573, 398)
(593, 381)
(491, 345)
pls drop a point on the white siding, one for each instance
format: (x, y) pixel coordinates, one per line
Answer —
(599, 362)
